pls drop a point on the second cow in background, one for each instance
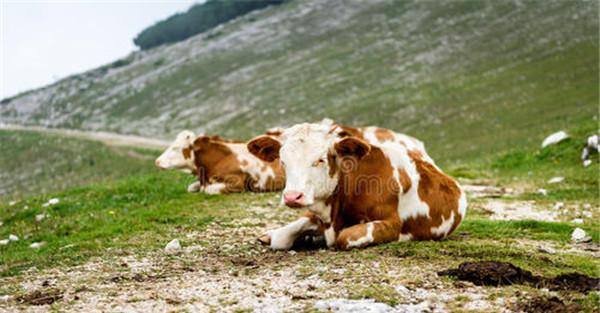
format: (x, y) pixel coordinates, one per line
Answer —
(222, 166)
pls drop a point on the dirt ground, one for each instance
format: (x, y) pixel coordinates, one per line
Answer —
(225, 269)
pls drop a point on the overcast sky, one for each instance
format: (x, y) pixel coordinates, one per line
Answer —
(42, 41)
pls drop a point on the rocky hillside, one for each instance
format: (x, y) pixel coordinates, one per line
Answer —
(469, 78)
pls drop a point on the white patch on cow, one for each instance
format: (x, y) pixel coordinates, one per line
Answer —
(444, 227)
(304, 157)
(405, 237)
(283, 238)
(321, 210)
(194, 187)
(366, 239)
(252, 165)
(214, 189)
(172, 157)
(462, 203)
(330, 236)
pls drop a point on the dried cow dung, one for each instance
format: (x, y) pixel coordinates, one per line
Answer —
(492, 273)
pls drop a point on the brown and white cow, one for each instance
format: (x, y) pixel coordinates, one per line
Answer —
(360, 191)
(222, 166)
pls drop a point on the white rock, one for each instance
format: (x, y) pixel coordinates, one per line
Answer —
(587, 163)
(352, 306)
(577, 221)
(558, 205)
(554, 138)
(4, 242)
(173, 247)
(1, 223)
(12, 237)
(546, 249)
(36, 245)
(542, 191)
(556, 180)
(53, 201)
(292, 252)
(579, 235)
(587, 214)
(587, 206)
(592, 142)
(12, 203)
(40, 217)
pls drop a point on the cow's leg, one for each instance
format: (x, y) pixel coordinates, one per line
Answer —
(370, 233)
(194, 187)
(283, 238)
(214, 188)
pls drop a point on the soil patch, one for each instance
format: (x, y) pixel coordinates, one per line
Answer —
(492, 273)
(547, 305)
(40, 297)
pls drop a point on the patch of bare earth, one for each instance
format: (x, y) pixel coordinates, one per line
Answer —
(224, 269)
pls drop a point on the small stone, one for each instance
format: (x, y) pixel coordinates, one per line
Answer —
(40, 217)
(587, 206)
(12, 237)
(4, 242)
(555, 138)
(53, 201)
(542, 191)
(12, 203)
(556, 180)
(173, 246)
(587, 214)
(577, 221)
(587, 163)
(558, 206)
(36, 245)
(292, 252)
(546, 249)
(579, 235)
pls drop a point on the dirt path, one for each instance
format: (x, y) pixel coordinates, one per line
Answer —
(105, 137)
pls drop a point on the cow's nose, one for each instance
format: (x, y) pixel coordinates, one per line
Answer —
(293, 199)
(157, 162)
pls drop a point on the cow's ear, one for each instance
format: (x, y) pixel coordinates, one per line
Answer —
(352, 146)
(265, 148)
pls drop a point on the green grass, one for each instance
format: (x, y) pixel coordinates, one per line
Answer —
(141, 213)
(33, 163)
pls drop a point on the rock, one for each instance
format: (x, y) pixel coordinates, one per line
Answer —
(546, 249)
(587, 163)
(173, 247)
(577, 221)
(554, 138)
(592, 143)
(1, 223)
(52, 201)
(579, 235)
(40, 217)
(556, 180)
(351, 306)
(12, 203)
(587, 214)
(36, 245)
(558, 205)
(587, 206)
(542, 191)
(4, 242)
(292, 252)
(12, 237)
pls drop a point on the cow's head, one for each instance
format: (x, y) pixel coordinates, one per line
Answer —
(179, 154)
(312, 156)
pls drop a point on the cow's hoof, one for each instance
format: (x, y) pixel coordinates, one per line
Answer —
(265, 240)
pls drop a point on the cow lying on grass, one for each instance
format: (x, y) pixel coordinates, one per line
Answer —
(359, 190)
(222, 166)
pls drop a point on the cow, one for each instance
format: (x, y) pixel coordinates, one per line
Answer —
(221, 166)
(358, 189)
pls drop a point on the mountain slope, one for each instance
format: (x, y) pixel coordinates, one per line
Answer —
(469, 78)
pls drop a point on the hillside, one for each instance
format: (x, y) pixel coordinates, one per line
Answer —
(471, 79)
(33, 163)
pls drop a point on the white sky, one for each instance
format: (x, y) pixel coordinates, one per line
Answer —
(43, 41)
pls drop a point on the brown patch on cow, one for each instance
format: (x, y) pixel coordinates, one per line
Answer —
(440, 192)
(187, 153)
(405, 181)
(347, 131)
(244, 163)
(383, 134)
(331, 161)
(264, 148)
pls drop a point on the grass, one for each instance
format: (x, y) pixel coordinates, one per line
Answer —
(33, 163)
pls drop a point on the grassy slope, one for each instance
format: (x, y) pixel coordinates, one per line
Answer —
(32, 163)
(470, 78)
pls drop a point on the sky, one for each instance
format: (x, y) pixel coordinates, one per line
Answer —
(43, 41)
